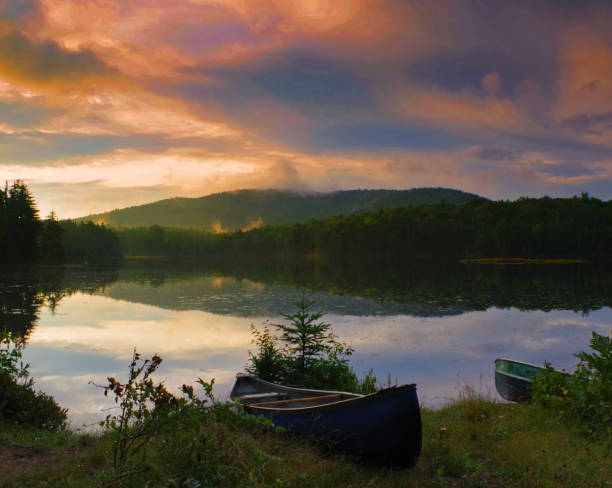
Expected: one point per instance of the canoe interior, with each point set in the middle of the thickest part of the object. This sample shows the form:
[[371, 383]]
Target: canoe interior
[[517, 369], [252, 391]]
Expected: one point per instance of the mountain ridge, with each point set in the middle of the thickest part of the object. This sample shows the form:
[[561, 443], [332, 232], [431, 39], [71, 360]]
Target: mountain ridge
[[250, 208]]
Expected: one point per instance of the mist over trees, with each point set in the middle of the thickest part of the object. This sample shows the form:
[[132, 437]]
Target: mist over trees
[[26, 239], [247, 209]]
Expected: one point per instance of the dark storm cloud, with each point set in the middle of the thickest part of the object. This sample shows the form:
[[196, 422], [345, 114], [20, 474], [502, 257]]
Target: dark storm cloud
[[374, 137], [298, 77], [46, 60], [570, 149], [273, 94], [18, 10], [458, 70], [588, 123], [494, 154], [294, 77]]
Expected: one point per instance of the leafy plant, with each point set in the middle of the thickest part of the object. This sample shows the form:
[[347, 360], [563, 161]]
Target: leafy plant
[[586, 394], [143, 406], [186, 437], [19, 402], [269, 362], [148, 409], [10, 358], [307, 353]]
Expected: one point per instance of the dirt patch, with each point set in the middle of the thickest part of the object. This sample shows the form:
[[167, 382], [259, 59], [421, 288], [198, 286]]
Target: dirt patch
[[18, 459]]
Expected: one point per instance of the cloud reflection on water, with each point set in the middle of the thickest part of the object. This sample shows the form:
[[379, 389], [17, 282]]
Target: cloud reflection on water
[[92, 337]]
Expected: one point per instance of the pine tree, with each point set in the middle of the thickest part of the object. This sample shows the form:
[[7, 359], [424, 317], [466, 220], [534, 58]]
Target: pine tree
[[21, 226], [3, 199], [306, 337]]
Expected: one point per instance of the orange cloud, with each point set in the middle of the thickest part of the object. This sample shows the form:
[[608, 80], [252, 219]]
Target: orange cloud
[[143, 37], [455, 111], [585, 94], [196, 96]]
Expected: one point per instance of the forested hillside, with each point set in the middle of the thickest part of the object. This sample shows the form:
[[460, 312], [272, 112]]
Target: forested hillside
[[246, 209], [579, 227]]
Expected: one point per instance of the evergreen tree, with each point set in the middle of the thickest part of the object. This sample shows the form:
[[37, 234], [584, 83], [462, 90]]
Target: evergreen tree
[[90, 243], [21, 225], [306, 336], [3, 199], [309, 354], [51, 240]]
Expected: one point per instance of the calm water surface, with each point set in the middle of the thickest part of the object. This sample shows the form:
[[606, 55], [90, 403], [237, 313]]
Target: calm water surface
[[438, 326]]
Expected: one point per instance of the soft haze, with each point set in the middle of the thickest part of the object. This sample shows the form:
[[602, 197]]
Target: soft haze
[[105, 104]]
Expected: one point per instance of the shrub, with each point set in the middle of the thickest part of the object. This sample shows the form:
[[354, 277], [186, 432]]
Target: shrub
[[169, 438], [586, 394], [147, 409], [19, 402], [269, 362], [306, 354]]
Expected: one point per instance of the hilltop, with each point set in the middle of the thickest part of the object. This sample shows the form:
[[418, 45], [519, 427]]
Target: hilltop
[[246, 209]]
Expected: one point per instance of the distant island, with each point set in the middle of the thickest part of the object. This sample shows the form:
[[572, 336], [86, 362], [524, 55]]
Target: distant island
[[249, 209]]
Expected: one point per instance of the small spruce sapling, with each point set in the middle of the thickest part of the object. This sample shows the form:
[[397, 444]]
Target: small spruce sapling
[[307, 353], [306, 336]]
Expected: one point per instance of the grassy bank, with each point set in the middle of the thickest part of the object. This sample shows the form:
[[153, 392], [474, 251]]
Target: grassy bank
[[472, 442]]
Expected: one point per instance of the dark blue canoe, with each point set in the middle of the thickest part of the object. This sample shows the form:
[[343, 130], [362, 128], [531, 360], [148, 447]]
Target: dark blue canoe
[[383, 428], [513, 379]]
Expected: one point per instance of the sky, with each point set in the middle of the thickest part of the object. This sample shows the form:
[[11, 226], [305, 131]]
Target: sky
[[106, 104]]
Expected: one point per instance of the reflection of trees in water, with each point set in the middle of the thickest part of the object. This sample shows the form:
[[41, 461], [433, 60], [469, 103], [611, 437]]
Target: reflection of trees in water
[[418, 289], [451, 285], [434, 287], [23, 293], [19, 306]]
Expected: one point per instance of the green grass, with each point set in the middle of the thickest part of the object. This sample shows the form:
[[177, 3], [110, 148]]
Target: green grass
[[473, 442]]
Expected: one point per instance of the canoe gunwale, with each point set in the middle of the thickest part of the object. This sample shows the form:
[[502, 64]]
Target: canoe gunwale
[[330, 405], [353, 398], [294, 389], [518, 362]]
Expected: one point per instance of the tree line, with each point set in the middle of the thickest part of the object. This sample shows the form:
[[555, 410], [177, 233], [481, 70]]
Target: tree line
[[27, 239], [578, 227]]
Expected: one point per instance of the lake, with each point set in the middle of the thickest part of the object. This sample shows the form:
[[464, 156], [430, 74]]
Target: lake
[[439, 325]]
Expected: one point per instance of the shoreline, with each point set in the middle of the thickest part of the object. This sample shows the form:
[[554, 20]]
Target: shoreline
[[473, 441]]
